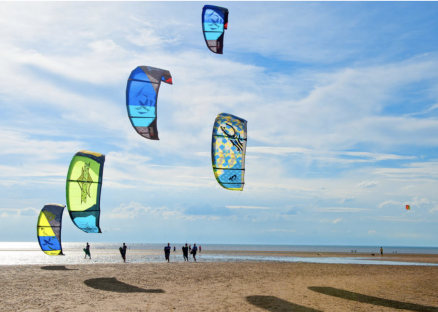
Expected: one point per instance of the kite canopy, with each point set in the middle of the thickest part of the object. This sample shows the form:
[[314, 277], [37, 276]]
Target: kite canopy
[[142, 96], [84, 183], [228, 150], [214, 22], [49, 229]]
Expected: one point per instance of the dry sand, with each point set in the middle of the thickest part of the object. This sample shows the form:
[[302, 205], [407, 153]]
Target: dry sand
[[242, 286]]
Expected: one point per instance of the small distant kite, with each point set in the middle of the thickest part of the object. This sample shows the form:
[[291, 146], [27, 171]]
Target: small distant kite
[[408, 207]]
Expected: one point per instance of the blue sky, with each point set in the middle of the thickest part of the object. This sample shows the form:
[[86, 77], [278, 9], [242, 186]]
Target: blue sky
[[341, 100]]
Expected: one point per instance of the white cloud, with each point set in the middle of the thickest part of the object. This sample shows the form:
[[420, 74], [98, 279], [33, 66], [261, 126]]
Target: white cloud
[[279, 230], [368, 184], [340, 209], [434, 209], [147, 37], [347, 199], [336, 220], [102, 46], [131, 210], [389, 202], [372, 232], [19, 212], [247, 207]]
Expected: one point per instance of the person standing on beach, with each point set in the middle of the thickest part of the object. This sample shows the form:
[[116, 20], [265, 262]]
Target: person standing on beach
[[185, 251], [124, 252], [193, 252], [167, 252], [190, 248], [174, 248], [381, 251], [87, 251], [199, 248]]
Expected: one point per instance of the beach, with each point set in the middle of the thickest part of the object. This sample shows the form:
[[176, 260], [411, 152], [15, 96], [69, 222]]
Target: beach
[[222, 286]]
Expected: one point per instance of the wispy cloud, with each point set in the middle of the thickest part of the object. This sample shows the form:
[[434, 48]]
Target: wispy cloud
[[340, 209], [389, 202], [368, 184], [131, 210], [247, 207]]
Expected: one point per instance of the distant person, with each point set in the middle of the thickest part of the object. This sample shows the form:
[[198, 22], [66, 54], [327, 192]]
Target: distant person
[[123, 252], [381, 251], [174, 248], [167, 252], [87, 251], [185, 250], [193, 252], [199, 248], [190, 248]]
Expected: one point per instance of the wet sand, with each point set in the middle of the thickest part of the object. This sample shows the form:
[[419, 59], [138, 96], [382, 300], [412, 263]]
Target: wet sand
[[226, 286]]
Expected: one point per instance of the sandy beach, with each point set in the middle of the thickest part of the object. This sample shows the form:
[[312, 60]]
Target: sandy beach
[[226, 286]]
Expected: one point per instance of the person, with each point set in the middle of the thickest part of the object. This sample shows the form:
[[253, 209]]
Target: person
[[174, 248], [167, 252], [185, 250], [194, 250], [199, 248], [123, 252], [381, 251], [190, 248], [87, 251]]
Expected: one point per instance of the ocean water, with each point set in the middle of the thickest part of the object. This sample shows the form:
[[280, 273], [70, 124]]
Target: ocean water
[[228, 247], [30, 254]]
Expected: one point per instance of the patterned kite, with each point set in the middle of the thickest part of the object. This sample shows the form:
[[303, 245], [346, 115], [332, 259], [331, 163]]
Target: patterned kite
[[142, 96], [228, 150], [84, 184], [49, 229], [214, 23]]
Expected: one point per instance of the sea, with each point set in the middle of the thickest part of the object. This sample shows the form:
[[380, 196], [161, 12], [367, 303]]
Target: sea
[[29, 253]]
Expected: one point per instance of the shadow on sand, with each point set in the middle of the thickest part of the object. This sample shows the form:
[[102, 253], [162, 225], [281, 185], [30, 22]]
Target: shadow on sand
[[57, 268], [271, 303], [111, 284], [344, 294]]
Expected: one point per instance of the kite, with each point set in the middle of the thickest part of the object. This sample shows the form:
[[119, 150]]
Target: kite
[[408, 207], [214, 23], [228, 150], [84, 184], [142, 96], [49, 229]]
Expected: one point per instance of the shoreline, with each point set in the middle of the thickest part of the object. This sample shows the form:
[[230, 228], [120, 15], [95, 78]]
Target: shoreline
[[108, 256]]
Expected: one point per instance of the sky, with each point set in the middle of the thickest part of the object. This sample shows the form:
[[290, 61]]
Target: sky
[[341, 100]]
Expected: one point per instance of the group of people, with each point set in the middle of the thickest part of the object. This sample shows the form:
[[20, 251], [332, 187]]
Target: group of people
[[185, 249]]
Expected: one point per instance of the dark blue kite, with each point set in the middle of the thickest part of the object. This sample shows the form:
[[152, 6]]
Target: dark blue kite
[[142, 96], [214, 23]]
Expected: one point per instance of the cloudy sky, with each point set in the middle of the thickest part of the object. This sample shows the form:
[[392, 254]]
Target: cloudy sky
[[341, 101]]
